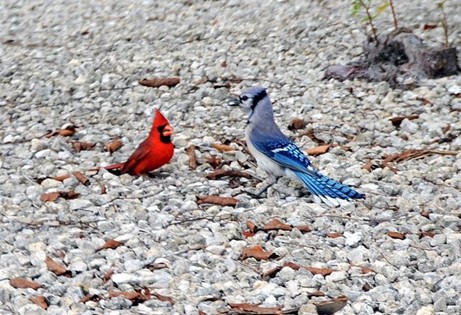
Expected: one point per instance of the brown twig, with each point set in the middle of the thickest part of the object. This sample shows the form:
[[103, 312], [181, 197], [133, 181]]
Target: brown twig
[[394, 16]]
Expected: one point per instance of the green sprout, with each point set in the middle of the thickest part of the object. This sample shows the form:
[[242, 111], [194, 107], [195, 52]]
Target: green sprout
[[443, 21]]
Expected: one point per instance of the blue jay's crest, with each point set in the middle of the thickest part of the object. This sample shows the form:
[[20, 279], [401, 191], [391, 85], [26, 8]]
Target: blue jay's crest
[[278, 155]]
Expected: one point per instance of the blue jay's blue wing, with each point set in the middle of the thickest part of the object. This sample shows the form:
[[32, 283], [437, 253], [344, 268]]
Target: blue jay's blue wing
[[285, 153]]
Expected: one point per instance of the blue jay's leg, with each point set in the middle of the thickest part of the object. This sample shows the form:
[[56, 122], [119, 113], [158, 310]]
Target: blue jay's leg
[[271, 181]]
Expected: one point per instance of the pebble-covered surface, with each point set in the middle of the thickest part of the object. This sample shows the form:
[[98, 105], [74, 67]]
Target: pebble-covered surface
[[78, 63]]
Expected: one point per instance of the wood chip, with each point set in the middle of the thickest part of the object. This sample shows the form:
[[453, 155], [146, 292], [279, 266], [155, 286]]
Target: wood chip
[[257, 252], [65, 132], [56, 267], [426, 234], [334, 235], [332, 306], [157, 82], [321, 149], [110, 244], [51, 196], [61, 177], [396, 235], [163, 298], [246, 308], [81, 146], [192, 158], [222, 147], [214, 161], [20, 283], [276, 224], [296, 124], [81, 178], [217, 200], [366, 270], [113, 146], [40, 301], [319, 271], [396, 121]]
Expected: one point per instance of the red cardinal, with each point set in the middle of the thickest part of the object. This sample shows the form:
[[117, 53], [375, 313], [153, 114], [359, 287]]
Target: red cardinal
[[154, 152]]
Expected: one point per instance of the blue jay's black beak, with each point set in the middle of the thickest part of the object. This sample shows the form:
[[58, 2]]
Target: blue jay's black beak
[[233, 102]]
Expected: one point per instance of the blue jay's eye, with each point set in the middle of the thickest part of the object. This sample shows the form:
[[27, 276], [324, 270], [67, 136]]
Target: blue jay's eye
[[244, 98]]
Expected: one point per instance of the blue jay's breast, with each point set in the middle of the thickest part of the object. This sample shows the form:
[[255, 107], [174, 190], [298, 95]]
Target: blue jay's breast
[[264, 162]]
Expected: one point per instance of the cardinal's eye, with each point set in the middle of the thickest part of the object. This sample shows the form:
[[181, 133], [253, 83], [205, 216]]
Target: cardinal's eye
[[244, 98]]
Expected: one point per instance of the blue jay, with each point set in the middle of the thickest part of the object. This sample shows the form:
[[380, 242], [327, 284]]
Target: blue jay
[[278, 155]]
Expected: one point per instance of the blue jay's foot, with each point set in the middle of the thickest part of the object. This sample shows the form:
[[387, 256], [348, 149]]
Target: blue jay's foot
[[260, 192]]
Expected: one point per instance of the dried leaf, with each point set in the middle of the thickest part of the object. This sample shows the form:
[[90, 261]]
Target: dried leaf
[[157, 266], [426, 234], [113, 146], [80, 146], [103, 188], [303, 228], [217, 200], [245, 308], [316, 294], [412, 154], [163, 298], [321, 149], [112, 244], [310, 133], [214, 161], [271, 273], [107, 275], [222, 147], [292, 265], [368, 165], [157, 82], [222, 173], [366, 270], [334, 235], [425, 213], [257, 252], [251, 229], [56, 268], [397, 235], [248, 233], [61, 177], [428, 27], [319, 271], [69, 194], [276, 224], [81, 178], [251, 226], [51, 196], [331, 307], [396, 121], [65, 132], [20, 283], [366, 287], [296, 124], [192, 158], [130, 295], [91, 297], [40, 301]]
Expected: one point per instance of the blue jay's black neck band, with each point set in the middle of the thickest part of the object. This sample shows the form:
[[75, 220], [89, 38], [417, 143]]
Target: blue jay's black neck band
[[258, 97]]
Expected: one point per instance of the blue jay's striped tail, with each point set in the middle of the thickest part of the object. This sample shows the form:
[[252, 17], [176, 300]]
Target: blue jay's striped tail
[[327, 190]]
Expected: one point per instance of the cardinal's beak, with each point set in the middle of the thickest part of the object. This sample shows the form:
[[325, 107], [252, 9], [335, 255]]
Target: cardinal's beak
[[168, 131]]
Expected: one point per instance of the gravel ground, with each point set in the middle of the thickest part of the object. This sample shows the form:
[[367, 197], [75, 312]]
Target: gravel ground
[[78, 62]]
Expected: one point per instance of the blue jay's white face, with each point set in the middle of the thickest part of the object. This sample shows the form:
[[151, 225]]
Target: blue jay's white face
[[250, 98], [246, 102]]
